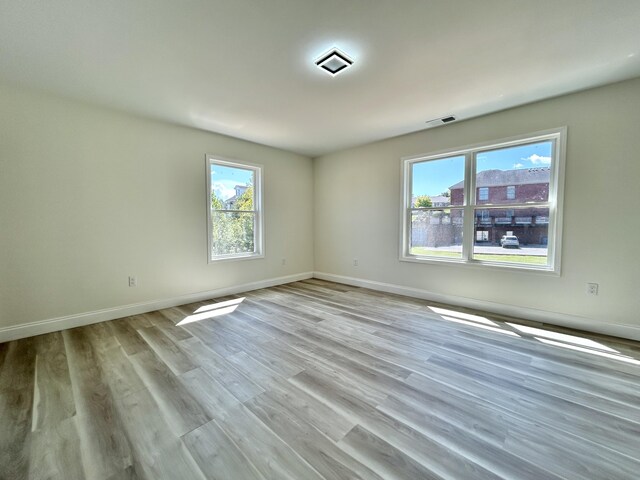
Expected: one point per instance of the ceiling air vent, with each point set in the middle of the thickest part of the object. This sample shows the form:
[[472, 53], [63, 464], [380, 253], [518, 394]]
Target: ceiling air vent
[[441, 121]]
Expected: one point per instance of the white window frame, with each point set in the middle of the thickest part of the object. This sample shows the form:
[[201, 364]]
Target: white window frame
[[482, 190], [511, 189], [554, 204], [258, 229]]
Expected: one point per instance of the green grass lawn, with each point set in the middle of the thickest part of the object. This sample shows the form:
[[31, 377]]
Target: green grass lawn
[[527, 259], [434, 253]]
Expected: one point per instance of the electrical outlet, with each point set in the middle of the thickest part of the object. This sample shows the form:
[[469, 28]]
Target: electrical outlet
[[592, 289], [355, 262], [133, 282]]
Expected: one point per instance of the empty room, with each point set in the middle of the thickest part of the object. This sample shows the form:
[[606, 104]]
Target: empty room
[[306, 240]]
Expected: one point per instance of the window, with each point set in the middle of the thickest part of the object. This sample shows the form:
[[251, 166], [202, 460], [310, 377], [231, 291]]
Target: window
[[482, 236], [483, 216], [435, 231], [234, 210], [469, 230]]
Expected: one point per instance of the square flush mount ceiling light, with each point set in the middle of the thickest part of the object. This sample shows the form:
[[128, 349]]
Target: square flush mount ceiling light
[[334, 61]]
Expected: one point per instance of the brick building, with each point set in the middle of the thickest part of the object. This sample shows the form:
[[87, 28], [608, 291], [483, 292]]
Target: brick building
[[499, 187]]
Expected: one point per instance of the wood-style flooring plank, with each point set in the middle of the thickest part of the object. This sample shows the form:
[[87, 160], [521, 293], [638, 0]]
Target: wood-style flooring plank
[[168, 350], [317, 380], [180, 409], [53, 400], [453, 452], [325, 419], [129, 473], [104, 447], [211, 395], [15, 434], [119, 372], [319, 451], [556, 384], [158, 452], [167, 320], [217, 456], [221, 370], [478, 444], [383, 457], [17, 369], [271, 456], [102, 337], [56, 452], [128, 337], [17, 380], [619, 435]]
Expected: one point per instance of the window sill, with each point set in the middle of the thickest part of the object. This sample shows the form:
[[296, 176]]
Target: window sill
[[544, 270], [236, 257]]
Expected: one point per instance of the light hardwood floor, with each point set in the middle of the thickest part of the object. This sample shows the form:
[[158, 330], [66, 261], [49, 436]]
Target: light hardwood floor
[[317, 380]]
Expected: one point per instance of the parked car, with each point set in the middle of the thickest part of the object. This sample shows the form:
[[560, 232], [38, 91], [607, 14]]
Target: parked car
[[509, 241]]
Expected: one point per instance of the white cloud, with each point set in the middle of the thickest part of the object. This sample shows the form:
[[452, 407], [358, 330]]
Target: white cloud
[[224, 189], [535, 159], [518, 165]]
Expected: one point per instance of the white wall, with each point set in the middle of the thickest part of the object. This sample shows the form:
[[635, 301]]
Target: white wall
[[89, 196], [357, 194]]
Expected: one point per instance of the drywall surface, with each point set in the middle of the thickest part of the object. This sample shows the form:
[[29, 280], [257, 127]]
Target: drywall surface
[[357, 210], [89, 196]]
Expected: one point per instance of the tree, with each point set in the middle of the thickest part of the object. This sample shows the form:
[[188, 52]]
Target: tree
[[245, 201], [216, 202], [232, 231], [423, 201], [245, 221], [446, 193]]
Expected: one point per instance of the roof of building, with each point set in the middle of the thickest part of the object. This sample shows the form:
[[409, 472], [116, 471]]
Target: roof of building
[[440, 199], [521, 176], [232, 200]]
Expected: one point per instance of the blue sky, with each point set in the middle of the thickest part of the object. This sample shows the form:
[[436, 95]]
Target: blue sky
[[224, 179], [433, 178]]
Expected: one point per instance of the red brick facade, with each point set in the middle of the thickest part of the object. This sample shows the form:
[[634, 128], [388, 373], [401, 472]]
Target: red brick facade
[[538, 192], [529, 224]]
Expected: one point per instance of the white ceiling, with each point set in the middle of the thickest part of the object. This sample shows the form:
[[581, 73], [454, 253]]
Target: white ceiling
[[245, 67]]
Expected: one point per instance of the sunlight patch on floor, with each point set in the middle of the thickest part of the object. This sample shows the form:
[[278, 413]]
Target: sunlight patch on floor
[[463, 316], [563, 337], [621, 358], [479, 325], [215, 306], [212, 311]]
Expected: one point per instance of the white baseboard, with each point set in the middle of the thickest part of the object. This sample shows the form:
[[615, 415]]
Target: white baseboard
[[78, 320], [553, 318]]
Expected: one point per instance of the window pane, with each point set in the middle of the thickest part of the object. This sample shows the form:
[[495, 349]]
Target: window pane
[[438, 183], [517, 174], [482, 236], [232, 188], [437, 232], [517, 235], [232, 232]]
